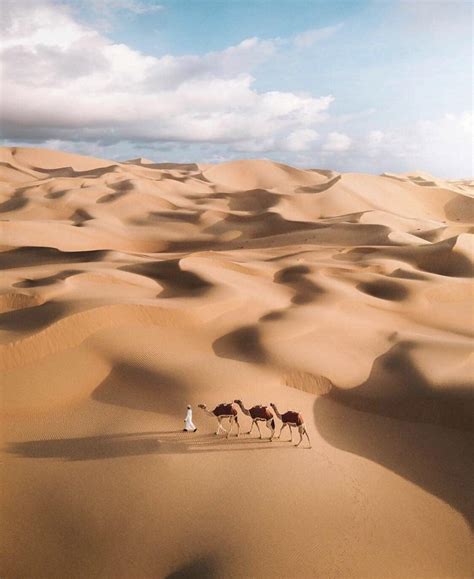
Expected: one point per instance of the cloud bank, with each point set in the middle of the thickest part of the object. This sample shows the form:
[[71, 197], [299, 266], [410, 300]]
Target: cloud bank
[[65, 80], [67, 84]]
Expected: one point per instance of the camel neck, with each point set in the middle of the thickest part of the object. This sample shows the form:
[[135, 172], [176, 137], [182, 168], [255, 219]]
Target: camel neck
[[244, 410], [276, 412]]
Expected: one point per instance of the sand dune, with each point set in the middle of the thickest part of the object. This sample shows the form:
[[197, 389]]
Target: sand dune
[[129, 290]]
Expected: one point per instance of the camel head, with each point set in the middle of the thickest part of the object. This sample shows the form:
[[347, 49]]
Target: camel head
[[202, 406], [238, 402]]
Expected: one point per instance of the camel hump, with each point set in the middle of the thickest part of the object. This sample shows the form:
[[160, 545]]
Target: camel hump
[[293, 417], [225, 409], [261, 412]]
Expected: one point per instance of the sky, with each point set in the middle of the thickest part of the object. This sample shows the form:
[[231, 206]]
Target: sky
[[362, 85]]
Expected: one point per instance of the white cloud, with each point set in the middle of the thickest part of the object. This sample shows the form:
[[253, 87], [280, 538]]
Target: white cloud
[[309, 37], [30, 23], [446, 142], [442, 147], [301, 140], [64, 80], [66, 84], [337, 142]]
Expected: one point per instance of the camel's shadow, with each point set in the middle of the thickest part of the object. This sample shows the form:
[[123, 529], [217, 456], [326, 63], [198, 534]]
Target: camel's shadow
[[136, 444]]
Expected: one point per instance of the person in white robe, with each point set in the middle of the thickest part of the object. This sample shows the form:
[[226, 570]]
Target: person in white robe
[[188, 421]]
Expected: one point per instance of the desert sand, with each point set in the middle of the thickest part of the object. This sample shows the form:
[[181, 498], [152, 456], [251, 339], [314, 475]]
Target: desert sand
[[129, 290]]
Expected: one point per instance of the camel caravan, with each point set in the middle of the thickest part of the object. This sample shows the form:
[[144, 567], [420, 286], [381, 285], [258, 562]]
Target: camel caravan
[[229, 411]]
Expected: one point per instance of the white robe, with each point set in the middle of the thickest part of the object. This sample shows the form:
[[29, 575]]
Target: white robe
[[188, 421]]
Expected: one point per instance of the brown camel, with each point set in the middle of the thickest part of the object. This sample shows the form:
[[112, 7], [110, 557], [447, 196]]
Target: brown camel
[[258, 413], [223, 411], [291, 419]]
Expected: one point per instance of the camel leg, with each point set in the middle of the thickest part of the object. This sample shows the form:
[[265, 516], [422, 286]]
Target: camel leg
[[291, 433], [307, 436], [231, 422], [300, 431], [251, 428], [281, 429], [258, 428], [269, 426], [219, 426], [273, 434]]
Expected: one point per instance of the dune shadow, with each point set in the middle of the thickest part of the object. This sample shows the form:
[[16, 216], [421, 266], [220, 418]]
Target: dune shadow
[[273, 316], [438, 258], [432, 235], [396, 420], [397, 389], [121, 189], [402, 273], [319, 188], [294, 277], [56, 172], [384, 290], [56, 194], [346, 218], [36, 256], [111, 197], [70, 172], [34, 318], [178, 178], [177, 282], [17, 170], [261, 224], [200, 568], [48, 280], [135, 387], [192, 217], [242, 344], [14, 203], [80, 216], [164, 166], [253, 200]]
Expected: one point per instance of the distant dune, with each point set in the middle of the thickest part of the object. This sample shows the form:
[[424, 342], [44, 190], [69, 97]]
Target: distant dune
[[129, 290]]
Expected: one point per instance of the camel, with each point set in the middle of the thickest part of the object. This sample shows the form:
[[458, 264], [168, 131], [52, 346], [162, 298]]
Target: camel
[[291, 419], [223, 411], [258, 413]]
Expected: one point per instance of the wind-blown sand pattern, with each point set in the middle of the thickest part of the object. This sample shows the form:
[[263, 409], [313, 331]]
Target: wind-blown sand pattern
[[129, 290]]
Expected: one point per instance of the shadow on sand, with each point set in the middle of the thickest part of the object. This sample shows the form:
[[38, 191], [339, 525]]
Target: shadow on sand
[[242, 344], [419, 435], [139, 388], [34, 318], [136, 444], [196, 569]]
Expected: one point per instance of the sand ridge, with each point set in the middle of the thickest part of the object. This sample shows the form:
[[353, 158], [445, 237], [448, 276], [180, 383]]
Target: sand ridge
[[130, 289]]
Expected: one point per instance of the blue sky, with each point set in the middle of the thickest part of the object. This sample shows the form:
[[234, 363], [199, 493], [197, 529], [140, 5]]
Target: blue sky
[[366, 86]]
